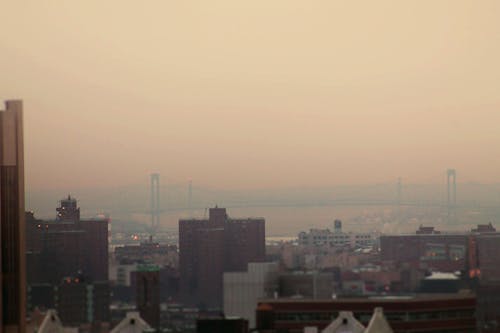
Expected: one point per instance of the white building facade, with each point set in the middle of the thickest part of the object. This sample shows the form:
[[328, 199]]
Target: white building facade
[[243, 289]]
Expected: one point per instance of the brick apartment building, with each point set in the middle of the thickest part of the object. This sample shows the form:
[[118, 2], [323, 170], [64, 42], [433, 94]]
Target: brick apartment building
[[210, 247]]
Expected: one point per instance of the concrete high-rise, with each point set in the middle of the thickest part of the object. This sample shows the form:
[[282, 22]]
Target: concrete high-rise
[[242, 290], [210, 247], [12, 225]]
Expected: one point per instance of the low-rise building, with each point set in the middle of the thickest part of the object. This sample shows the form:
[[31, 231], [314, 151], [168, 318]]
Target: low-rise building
[[415, 313], [336, 238]]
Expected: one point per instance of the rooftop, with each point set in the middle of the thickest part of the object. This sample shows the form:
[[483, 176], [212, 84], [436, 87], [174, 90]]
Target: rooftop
[[380, 298]]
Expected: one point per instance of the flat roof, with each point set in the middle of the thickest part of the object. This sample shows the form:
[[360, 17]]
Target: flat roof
[[378, 298]]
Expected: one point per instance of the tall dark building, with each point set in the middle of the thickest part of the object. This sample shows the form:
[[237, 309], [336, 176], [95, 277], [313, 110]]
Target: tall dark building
[[67, 247], [81, 303], [148, 294], [12, 225], [68, 211], [95, 249], [64, 248], [210, 247]]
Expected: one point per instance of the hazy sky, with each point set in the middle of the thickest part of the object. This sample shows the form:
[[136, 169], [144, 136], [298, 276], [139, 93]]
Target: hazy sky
[[254, 94]]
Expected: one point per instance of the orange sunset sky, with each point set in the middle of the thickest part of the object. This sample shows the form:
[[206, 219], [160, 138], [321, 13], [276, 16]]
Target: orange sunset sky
[[254, 94]]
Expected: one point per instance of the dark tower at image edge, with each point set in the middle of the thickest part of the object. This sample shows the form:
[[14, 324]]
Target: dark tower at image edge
[[12, 231]]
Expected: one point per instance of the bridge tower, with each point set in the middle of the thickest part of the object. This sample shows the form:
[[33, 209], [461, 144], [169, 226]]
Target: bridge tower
[[190, 199], [398, 201], [451, 181], [155, 202]]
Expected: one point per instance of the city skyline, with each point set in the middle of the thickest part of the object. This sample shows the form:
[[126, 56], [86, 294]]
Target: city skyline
[[199, 91], [281, 166]]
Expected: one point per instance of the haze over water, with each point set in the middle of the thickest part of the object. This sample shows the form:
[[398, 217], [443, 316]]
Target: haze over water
[[288, 211]]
